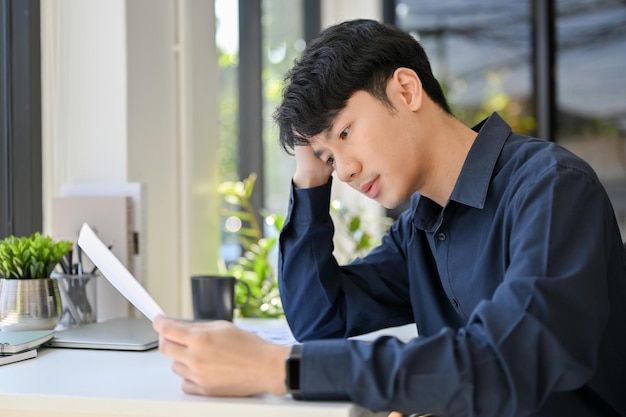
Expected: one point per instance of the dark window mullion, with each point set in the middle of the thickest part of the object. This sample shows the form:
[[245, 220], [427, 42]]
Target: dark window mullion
[[389, 11], [250, 98], [5, 106], [20, 120], [312, 19], [544, 69]]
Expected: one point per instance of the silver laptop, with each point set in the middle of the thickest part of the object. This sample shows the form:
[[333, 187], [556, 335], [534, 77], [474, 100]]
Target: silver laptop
[[117, 334]]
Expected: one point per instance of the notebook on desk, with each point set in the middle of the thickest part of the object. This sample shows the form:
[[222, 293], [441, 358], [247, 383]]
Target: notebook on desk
[[128, 333]]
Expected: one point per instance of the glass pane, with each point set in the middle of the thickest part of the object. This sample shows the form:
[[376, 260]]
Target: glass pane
[[283, 41], [591, 89], [480, 52], [227, 40], [591, 83]]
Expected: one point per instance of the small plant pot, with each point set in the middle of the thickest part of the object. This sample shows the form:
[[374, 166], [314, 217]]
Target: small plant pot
[[29, 304]]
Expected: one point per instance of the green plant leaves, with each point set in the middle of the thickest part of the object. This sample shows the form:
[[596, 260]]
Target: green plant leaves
[[31, 257], [254, 265], [238, 192]]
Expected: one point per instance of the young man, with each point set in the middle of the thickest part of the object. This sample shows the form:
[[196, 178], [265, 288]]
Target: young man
[[509, 260]]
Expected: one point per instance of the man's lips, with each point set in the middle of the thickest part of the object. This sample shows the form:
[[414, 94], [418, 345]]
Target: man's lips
[[371, 188]]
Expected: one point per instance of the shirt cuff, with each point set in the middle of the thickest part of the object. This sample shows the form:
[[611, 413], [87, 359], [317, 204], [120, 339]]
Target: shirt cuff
[[325, 370], [312, 203]]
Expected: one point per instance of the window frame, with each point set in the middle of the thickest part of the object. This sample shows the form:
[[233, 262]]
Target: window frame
[[20, 118]]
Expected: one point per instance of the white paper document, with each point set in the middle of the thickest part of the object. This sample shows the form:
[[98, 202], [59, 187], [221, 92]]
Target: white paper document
[[117, 274], [273, 330]]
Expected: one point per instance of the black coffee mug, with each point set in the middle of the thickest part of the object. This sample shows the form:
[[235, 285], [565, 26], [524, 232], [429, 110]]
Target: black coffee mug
[[213, 296]]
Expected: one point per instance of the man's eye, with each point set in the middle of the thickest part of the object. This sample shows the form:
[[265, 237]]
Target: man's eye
[[344, 133], [330, 160]]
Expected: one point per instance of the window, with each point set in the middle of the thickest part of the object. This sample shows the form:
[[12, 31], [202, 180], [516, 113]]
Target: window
[[555, 67], [283, 41], [251, 76], [590, 89], [480, 53], [591, 83]]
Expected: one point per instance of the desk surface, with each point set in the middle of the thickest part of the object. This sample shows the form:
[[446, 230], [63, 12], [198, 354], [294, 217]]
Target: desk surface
[[98, 383]]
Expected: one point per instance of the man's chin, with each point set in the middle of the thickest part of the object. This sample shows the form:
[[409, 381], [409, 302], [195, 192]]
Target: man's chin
[[391, 204]]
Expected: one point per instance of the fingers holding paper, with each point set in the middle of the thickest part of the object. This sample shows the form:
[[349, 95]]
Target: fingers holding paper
[[219, 359]]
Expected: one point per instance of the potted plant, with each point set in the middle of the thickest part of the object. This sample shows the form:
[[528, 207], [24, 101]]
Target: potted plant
[[29, 298], [254, 267]]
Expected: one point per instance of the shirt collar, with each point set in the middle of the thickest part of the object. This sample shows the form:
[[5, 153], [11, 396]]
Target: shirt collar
[[473, 182]]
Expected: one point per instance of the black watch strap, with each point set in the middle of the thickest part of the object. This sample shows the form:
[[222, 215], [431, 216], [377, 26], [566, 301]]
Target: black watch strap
[[292, 368]]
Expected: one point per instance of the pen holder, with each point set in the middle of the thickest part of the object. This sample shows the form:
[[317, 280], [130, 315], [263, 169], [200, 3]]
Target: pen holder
[[78, 299]]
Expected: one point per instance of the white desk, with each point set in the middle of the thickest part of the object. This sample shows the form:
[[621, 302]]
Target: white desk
[[97, 383]]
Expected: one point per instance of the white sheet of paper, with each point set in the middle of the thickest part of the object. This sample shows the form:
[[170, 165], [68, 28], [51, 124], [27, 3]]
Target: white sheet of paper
[[117, 274]]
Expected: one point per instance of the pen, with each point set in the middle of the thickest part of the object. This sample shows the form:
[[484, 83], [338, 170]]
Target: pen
[[64, 267], [79, 254], [69, 261]]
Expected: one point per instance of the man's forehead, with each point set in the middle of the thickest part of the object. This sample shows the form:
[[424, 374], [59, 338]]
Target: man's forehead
[[318, 144], [323, 136]]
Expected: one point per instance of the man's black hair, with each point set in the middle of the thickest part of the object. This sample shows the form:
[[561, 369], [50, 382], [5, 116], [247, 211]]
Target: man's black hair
[[345, 58]]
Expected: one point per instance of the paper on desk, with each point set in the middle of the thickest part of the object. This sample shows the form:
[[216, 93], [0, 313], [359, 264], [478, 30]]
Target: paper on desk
[[116, 273]]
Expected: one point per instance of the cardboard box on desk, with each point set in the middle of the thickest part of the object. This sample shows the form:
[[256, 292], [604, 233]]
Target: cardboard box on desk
[[111, 219]]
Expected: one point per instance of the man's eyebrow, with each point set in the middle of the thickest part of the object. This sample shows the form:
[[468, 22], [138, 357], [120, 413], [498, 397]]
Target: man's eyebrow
[[318, 154]]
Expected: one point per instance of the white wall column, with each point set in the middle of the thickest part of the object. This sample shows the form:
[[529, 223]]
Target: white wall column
[[334, 11]]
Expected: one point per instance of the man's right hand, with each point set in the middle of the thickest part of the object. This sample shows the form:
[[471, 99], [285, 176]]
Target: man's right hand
[[219, 359], [310, 170]]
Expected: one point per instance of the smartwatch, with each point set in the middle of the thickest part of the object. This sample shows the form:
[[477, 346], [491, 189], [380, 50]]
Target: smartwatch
[[292, 368]]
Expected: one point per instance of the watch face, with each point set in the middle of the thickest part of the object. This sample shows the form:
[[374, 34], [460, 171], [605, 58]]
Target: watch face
[[293, 373]]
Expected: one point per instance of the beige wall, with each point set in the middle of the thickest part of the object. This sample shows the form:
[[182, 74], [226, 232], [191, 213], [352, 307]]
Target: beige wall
[[129, 95]]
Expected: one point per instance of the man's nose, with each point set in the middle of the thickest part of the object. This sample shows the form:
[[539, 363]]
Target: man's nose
[[346, 170]]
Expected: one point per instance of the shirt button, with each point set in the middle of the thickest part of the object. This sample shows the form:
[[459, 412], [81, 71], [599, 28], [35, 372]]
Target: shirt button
[[441, 236], [455, 303]]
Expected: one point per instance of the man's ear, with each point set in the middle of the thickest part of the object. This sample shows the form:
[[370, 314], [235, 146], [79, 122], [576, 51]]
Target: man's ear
[[409, 86]]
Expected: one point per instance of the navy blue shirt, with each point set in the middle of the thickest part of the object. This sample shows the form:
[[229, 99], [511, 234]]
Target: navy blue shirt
[[517, 288]]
